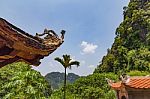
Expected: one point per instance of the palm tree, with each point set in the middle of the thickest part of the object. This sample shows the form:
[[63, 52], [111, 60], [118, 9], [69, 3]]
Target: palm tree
[[67, 62]]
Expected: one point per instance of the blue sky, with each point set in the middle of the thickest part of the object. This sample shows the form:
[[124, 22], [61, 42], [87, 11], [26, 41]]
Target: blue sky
[[90, 27]]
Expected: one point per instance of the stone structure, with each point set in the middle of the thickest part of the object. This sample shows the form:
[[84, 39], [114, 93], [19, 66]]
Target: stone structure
[[132, 87], [17, 45]]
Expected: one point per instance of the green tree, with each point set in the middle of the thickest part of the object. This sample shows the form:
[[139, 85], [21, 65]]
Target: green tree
[[93, 86], [66, 62], [138, 73], [130, 50], [19, 81]]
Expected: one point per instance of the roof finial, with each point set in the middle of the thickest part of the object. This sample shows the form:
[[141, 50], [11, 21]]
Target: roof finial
[[125, 78]]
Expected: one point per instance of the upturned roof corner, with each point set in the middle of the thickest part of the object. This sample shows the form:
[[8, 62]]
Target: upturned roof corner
[[17, 45]]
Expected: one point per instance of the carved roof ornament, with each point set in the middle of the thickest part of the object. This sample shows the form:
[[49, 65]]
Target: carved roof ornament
[[17, 45], [51, 37]]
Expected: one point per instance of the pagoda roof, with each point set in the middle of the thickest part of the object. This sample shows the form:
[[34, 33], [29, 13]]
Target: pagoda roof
[[18, 45], [138, 82]]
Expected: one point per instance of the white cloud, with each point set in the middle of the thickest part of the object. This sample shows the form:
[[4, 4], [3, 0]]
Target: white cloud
[[82, 62], [91, 66], [73, 58], [88, 48]]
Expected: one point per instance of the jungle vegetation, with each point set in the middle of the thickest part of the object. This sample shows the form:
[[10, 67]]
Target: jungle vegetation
[[20, 81], [130, 54]]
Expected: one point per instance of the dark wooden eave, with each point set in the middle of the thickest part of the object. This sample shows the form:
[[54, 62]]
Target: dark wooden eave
[[17, 45]]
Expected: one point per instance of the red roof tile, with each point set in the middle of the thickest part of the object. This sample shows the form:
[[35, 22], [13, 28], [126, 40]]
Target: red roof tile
[[134, 82], [139, 82]]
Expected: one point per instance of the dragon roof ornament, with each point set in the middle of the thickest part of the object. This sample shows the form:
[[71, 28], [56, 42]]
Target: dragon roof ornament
[[16, 44]]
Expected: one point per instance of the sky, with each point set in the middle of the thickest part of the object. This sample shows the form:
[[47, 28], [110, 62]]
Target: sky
[[89, 24]]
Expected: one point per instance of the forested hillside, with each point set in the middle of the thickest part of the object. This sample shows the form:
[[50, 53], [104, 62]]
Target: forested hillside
[[56, 79], [131, 48]]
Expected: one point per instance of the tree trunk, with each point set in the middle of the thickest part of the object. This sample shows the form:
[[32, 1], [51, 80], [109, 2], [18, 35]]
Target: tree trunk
[[65, 85]]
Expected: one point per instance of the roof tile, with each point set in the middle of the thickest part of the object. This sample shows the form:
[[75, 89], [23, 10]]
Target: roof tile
[[135, 82], [139, 82]]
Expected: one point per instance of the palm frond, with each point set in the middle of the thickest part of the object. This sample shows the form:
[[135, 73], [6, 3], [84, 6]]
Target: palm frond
[[67, 61], [67, 58], [60, 61], [74, 63]]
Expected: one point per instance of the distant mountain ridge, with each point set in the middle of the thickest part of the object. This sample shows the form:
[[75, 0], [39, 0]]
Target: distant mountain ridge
[[56, 79]]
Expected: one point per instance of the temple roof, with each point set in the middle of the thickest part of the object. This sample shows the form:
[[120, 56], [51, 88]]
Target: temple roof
[[139, 82], [17, 45]]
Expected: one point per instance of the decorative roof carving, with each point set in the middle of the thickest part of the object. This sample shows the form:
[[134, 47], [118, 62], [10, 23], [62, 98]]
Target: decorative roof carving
[[16, 44]]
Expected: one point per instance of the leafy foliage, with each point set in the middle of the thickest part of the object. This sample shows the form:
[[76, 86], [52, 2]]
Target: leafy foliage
[[19, 81], [130, 53], [67, 62], [90, 87], [138, 73], [93, 86], [130, 50]]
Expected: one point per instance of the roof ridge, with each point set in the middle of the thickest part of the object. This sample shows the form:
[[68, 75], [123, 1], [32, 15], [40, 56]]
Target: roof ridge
[[19, 30], [140, 77]]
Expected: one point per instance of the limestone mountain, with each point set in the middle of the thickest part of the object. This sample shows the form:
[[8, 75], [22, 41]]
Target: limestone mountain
[[131, 47], [56, 78]]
